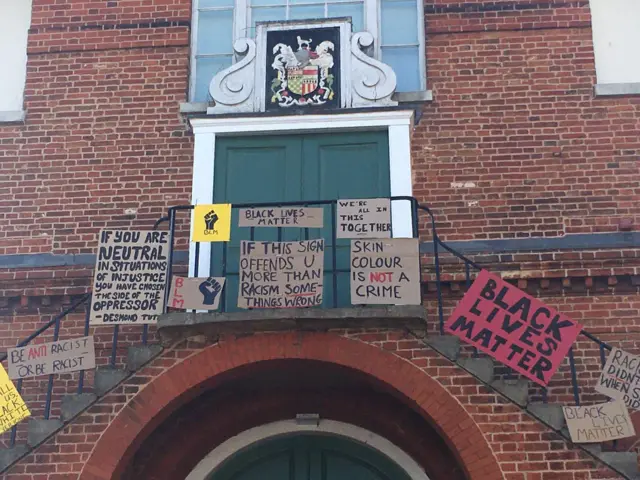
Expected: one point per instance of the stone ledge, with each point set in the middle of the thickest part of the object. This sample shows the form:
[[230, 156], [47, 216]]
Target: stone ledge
[[614, 89], [178, 325]]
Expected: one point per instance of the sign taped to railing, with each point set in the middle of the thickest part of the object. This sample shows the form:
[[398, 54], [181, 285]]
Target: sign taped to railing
[[130, 277], [598, 423], [364, 218], [201, 293], [281, 274], [385, 272], [54, 357], [211, 223], [12, 406], [297, 217], [620, 378], [513, 327]]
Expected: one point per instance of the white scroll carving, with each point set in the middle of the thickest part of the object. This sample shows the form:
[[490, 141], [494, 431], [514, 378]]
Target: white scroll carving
[[232, 89], [373, 82]]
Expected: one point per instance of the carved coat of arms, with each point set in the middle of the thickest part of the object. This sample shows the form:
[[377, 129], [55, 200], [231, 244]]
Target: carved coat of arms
[[304, 74]]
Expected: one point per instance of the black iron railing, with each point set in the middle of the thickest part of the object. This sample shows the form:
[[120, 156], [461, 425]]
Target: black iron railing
[[421, 224]]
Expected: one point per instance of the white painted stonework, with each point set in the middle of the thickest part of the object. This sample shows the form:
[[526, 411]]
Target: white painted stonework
[[364, 81], [250, 437], [15, 19], [616, 40]]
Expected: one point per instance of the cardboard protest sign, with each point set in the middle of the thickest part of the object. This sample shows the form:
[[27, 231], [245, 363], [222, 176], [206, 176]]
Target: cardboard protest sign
[[598, 423], [196, 293], [130, 277], [385, 272], [620, 378], [281, 274], [54, 357], [298, 217], [513, 327], [211, 223], [365, 218], [12, 406]]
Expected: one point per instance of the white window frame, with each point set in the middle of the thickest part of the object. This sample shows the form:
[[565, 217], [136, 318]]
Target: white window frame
[[242, 22], [397, 123]]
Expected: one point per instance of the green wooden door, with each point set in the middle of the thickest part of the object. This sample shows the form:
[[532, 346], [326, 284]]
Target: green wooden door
[[297, 168], [309, 457]]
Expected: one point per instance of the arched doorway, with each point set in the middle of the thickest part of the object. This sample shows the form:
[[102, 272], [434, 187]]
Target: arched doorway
[[309, 457], [322, 450]]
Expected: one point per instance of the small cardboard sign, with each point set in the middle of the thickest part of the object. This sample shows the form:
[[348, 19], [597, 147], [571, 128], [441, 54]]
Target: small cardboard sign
[[12, 406], [297, 217], [211, 223], [513, 327], [130, 277], [620, 378], [365, 218], [281, 274], [53, 357], [201, 293], [599, 423], [385, 272]]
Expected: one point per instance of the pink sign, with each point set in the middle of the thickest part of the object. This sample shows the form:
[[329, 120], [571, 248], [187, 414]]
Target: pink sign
[[513, 327]]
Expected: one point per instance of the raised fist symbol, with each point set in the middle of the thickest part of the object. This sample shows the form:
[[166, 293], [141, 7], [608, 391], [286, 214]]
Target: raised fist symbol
[[210, 289], [210, 219]]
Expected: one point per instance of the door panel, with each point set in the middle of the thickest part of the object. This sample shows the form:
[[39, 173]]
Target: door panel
[[309, 457], [296, 168]]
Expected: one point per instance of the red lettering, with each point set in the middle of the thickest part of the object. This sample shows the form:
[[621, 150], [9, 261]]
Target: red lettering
[[380, 277], [37, 352]]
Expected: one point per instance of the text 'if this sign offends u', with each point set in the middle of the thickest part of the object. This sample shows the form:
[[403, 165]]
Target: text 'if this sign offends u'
[[363, 218], [513, 327], [385, 272], [130, 277]]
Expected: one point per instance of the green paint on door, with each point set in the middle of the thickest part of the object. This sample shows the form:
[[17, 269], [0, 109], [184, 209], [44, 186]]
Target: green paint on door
[[309, 457], [297, 168]]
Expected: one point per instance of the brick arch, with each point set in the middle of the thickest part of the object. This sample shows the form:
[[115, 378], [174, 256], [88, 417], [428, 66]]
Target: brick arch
[[216, 364]]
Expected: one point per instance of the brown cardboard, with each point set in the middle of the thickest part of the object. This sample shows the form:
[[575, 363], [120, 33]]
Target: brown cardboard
[[297, 217], [281, 274], [598, 423], [385, 272], [202, 293], [363, 218], [130, 277], [620, 378], [50, 358]]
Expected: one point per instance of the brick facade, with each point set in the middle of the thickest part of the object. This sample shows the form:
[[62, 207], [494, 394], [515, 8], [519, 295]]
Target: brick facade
[[514, 145]]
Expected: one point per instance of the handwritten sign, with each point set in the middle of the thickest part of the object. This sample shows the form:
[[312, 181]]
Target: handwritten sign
[[281, 274], [385, 272], [302, 217], [620, 378], [196, 293], [365, 218], [211, 223], [513, 327], [598, 423], [54, 357], [12, 406], [130, 277]]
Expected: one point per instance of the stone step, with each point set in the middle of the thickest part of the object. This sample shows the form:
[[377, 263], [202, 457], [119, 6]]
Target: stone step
[[447, 345], [480, 367], [74, 404], [39, 429], [625, 462], [140, 355], [517, 390], [548, 413], [106, 378], [11, 454]]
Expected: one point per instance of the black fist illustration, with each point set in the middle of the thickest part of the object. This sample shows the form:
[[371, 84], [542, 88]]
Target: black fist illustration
[[210, 289], [210, 219]]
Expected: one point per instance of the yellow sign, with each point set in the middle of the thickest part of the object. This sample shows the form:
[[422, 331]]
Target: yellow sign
[[12, 407], [211, 223]]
